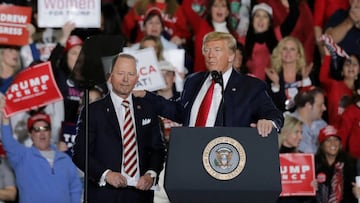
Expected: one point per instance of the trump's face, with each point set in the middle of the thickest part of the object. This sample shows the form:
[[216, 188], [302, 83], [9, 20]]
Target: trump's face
[[218, 55], [124, 77]]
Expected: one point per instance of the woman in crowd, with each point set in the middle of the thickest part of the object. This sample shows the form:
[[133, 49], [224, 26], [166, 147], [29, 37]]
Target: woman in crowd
[[335, 169], [290, 135], [323, 10], [175, 25], [288, 73], [339, 92], [217, 19], [295, 19], [154, 42], [260, 40], [63, 59], [10, 64], [289, 141], [349, 127], [154, 25]]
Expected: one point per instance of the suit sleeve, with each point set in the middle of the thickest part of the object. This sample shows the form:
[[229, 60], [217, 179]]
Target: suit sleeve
[[266, 108], [96, 169], [172, 110]]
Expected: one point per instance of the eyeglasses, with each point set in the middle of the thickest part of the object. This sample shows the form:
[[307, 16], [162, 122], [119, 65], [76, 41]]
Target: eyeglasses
[[41, 129]]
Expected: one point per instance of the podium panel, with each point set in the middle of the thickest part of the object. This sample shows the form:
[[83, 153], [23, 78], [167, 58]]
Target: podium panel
[[222, 165]]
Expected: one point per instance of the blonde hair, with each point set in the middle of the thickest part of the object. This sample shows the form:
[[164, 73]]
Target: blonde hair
[[159, 47], [276, 61], [290, 124], [215, 36]]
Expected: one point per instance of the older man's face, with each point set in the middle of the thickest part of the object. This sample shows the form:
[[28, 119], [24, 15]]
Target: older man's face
[[218, 56]]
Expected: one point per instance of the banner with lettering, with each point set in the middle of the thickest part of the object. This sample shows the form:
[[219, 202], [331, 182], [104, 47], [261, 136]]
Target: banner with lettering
[[55, 13], [13, 21], [297, 174], [150, 76], [68, 135], [33, 87]]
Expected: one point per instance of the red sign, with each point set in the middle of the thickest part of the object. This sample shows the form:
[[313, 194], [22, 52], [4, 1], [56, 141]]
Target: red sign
[[13, 21], [33, 87], [297, 174]]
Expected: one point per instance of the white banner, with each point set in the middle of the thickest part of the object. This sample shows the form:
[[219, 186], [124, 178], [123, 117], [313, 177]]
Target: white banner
[[150, 77], [55, 13], [177, 58]]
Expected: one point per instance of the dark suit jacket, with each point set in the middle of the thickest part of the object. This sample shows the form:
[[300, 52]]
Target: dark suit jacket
[[105, 148], [245, 101]]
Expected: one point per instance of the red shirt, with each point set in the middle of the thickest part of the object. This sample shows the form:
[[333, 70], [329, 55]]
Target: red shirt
[[349, 129], [323, 9], [175, 26], [335, 91], [304, 28], [200, 27]]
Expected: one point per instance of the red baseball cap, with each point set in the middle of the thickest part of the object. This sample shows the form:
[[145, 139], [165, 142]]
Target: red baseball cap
[[72, 41], [38, 117], [327, 132]]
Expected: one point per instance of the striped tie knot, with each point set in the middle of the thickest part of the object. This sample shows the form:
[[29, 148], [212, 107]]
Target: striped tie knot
[[125, 103]]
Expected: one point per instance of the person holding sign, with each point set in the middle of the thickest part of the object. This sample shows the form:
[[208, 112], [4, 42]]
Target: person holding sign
[[236, 100], [335, 169], [43, 173], [126, 152], [289, 141], [291, 135], [63, 58]]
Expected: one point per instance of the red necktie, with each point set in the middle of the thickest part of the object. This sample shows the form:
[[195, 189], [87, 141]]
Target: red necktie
[[129, 141], [205, 106]]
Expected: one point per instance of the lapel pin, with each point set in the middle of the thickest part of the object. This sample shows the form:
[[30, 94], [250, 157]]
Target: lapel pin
[[233, 89]]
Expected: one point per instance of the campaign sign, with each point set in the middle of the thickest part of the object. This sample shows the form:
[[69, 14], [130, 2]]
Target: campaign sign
[[13, 21], [33, 87], [150, 76], [55, 13], [297, 172], [68, 135]]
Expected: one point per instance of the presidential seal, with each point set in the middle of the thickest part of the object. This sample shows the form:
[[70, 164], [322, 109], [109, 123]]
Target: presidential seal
[[224, 158]]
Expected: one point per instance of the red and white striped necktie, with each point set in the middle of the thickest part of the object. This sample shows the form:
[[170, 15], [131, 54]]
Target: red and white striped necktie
[[129, 142]]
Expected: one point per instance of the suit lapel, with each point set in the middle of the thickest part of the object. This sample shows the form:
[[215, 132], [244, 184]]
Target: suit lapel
[[231, 91], [111, 116], [191, 94]]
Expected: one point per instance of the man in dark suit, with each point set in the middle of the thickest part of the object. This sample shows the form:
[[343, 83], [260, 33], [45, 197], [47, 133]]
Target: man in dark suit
[[238, 100], [111, 179]]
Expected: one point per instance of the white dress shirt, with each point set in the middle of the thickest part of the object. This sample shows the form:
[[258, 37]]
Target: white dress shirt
[[216, 101]]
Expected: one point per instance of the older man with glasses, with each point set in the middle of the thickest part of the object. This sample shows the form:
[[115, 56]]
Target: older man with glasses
[[43, 173]]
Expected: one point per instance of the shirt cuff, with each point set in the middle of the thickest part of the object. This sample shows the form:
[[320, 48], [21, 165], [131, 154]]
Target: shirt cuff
[[275, 88], [102, 181], [274, 124], [152, 174]]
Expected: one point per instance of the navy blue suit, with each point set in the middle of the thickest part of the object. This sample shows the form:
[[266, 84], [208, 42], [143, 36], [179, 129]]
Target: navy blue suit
[[245, 101], [105, 148]]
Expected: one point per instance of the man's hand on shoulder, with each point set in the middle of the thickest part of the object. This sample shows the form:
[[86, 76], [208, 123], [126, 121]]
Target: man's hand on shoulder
[[139, 93]]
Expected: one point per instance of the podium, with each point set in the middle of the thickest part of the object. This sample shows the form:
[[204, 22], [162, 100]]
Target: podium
[[222, 165]]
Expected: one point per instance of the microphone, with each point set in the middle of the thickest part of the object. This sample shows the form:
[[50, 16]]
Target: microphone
[[217, 77]]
